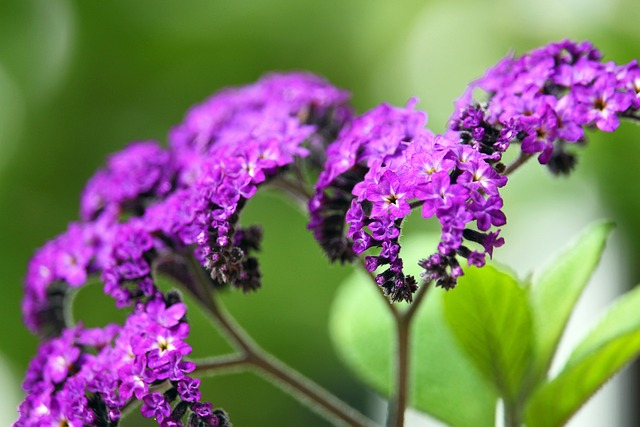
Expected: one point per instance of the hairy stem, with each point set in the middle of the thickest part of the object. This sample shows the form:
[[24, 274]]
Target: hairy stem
[[400, 397], [221, 364], [403, 320], [252, 355], [420, 294], [511, 414], [295, 189], [519, 161], [416, 204], [308, 392], [631, 115]]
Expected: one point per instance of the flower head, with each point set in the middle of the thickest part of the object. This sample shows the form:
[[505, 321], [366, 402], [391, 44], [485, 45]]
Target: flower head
[[147, 211], [385, 163], [548, 97]]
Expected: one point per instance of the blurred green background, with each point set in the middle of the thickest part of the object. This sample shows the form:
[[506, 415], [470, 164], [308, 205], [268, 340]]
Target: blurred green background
[[80, 79]]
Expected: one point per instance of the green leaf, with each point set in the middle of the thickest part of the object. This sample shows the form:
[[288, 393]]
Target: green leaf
[[608, 348], [556, 292], [444, 382], [621, 319], [489, 314]]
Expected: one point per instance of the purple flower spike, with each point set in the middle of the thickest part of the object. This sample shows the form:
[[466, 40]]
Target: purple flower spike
[[384, 164], [143, 213], [548, 97]]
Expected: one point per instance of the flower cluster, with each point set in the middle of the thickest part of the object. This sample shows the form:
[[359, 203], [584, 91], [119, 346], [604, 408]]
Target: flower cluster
[[62, 263], [132, 179], [384, 164], [372, 138], [225, 148], [146, 205], [545, 100], [87, 376]]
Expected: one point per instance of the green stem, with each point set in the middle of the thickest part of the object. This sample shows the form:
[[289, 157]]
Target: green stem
[[221, 364], [511, 414], [519, 161], [631, 115], [251, 354], [296, 190], [309, 393], [400, 398], [403, 320]]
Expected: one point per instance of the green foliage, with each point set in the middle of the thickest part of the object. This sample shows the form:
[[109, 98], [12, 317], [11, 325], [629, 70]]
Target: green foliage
[[611, 345], [490, 316], [444, 382], [558, 288], [494, 337]]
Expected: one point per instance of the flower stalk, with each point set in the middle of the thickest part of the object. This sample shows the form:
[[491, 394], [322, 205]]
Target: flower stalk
[[253, 356]]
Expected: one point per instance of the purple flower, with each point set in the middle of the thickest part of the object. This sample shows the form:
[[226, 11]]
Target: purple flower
[[439, 193], [188, 389], [354, 165], [487, 211], [140, 171], [425, 163], [389, 196], [398, 166], [541, 130], [384, 228], [361, 241], [60, 361], [476, 259], [203, 410], [629, 77], [163, 315], [480, 176], [546, 98], [148, 203], [491, 241], [601, 103], [134, 378], [155, 406], [174, 367]]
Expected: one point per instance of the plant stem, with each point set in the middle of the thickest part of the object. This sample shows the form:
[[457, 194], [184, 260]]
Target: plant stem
[[251, 354], [420, 294], [630, 115], [511, 415], [522, 159], [402, 319], [296, 190], [221, 363], [403, 322], [400, 398], [308, 392], [416, 204]]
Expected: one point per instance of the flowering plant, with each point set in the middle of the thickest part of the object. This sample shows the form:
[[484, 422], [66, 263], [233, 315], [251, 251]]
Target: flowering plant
[[174, 213]]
